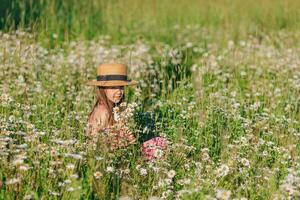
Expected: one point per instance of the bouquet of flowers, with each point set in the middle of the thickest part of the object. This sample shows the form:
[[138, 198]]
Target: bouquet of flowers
[[119, 135]]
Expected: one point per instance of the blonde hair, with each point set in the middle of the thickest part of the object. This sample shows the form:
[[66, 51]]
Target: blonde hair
[[101, 99]]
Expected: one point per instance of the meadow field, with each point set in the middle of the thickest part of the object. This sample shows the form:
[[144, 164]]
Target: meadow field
[[220, 80]]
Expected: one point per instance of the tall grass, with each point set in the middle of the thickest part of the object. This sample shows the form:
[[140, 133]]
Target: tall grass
[[152, 19]]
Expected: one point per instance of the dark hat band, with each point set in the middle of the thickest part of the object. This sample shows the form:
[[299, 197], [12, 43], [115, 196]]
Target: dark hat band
[[112, 78]]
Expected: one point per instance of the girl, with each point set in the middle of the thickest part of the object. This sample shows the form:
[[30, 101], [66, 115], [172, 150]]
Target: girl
[[110, 82], [111, 79]]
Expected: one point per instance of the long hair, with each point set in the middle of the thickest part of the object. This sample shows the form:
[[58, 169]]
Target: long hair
[[101, 99]]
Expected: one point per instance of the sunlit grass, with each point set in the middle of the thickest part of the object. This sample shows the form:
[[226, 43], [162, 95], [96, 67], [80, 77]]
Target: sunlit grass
[[126, 21]]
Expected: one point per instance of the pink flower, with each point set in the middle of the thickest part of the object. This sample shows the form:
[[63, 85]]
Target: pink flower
[[150, 147]]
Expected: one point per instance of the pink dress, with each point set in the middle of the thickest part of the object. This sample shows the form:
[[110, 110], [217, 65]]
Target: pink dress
[[153, 148]]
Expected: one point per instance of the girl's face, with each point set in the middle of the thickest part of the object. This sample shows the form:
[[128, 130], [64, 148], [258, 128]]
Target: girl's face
[[114, 93]]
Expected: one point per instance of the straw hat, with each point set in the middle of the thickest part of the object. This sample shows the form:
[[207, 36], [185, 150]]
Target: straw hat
[[111, 74]]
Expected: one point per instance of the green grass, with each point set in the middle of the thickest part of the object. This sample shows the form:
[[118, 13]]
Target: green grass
[[126, 21]]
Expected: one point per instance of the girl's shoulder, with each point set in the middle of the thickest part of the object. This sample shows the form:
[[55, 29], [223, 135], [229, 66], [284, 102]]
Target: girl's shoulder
[[97, 120], [102, 112], [100, 115]]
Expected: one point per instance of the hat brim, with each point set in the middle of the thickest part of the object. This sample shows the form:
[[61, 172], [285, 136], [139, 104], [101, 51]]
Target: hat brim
[[111, 83]]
